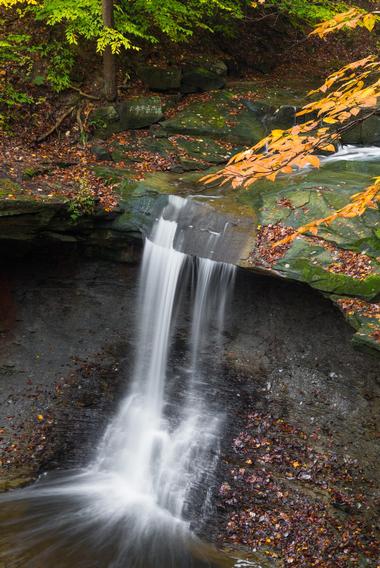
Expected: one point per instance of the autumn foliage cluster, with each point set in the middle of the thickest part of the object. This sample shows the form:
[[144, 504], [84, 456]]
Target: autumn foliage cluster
[[347, 97]]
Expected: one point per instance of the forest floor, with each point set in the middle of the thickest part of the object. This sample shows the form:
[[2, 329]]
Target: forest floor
[[54, 165]]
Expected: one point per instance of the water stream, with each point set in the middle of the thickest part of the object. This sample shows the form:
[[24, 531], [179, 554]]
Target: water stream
[[151, 477]]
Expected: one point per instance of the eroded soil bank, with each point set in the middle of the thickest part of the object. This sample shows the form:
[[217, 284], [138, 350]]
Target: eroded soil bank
[[297, 483]]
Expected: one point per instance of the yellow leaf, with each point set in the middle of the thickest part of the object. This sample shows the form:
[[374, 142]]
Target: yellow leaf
[[40, 417], [330, 120], [296, 464], [272, 177], [355, 111], [277, 134], [329, 148], [314, 161], [369, 21]]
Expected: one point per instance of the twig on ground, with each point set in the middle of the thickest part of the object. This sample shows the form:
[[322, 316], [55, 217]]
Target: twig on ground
[[83, 94], [56, 125]]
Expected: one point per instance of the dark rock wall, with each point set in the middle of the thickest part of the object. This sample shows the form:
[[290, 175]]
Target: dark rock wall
[[66, 329], [68, 337], [293, 348]]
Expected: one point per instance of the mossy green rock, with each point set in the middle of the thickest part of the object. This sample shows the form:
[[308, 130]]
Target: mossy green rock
[[200, 79], [205, 149], [316, 194], [140, 112], [160, 79], [9, 187], [137, 112], [308, 262], [105, 121], [220, 117], [367, 327]]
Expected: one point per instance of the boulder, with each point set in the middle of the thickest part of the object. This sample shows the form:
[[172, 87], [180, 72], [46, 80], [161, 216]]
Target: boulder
[[264, 65], [160, 79], [105, 121], [216, 66], [258, 108], [352, 136], [201, 79], [140, 112], [283, 118], [366, 133], [370, 133]]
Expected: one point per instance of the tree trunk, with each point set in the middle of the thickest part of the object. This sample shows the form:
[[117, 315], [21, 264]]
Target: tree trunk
[[109, 65]]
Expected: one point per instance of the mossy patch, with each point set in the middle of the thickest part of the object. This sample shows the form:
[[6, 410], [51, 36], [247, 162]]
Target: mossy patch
[[365, 318], [9, 187], [222, 116], [309, 262], [299, 200]]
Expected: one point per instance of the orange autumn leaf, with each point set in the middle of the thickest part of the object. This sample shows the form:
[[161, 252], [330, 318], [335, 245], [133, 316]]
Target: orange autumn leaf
[[346, 95], [351, 19]]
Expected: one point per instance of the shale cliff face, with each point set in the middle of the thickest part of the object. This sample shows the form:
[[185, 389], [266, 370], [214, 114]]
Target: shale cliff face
[[67, 331]]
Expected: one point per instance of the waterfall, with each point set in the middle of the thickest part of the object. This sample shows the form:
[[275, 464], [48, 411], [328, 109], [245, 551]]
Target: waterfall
[[157, 456], [153, 464]]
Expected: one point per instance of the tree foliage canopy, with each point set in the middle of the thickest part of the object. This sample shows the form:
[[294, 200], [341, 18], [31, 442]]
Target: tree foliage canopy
[[133, 19], [137, 19]]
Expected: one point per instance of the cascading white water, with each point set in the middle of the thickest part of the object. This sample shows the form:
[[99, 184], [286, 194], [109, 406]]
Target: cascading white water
[[136, 441], [152, 463], [353, 153]]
